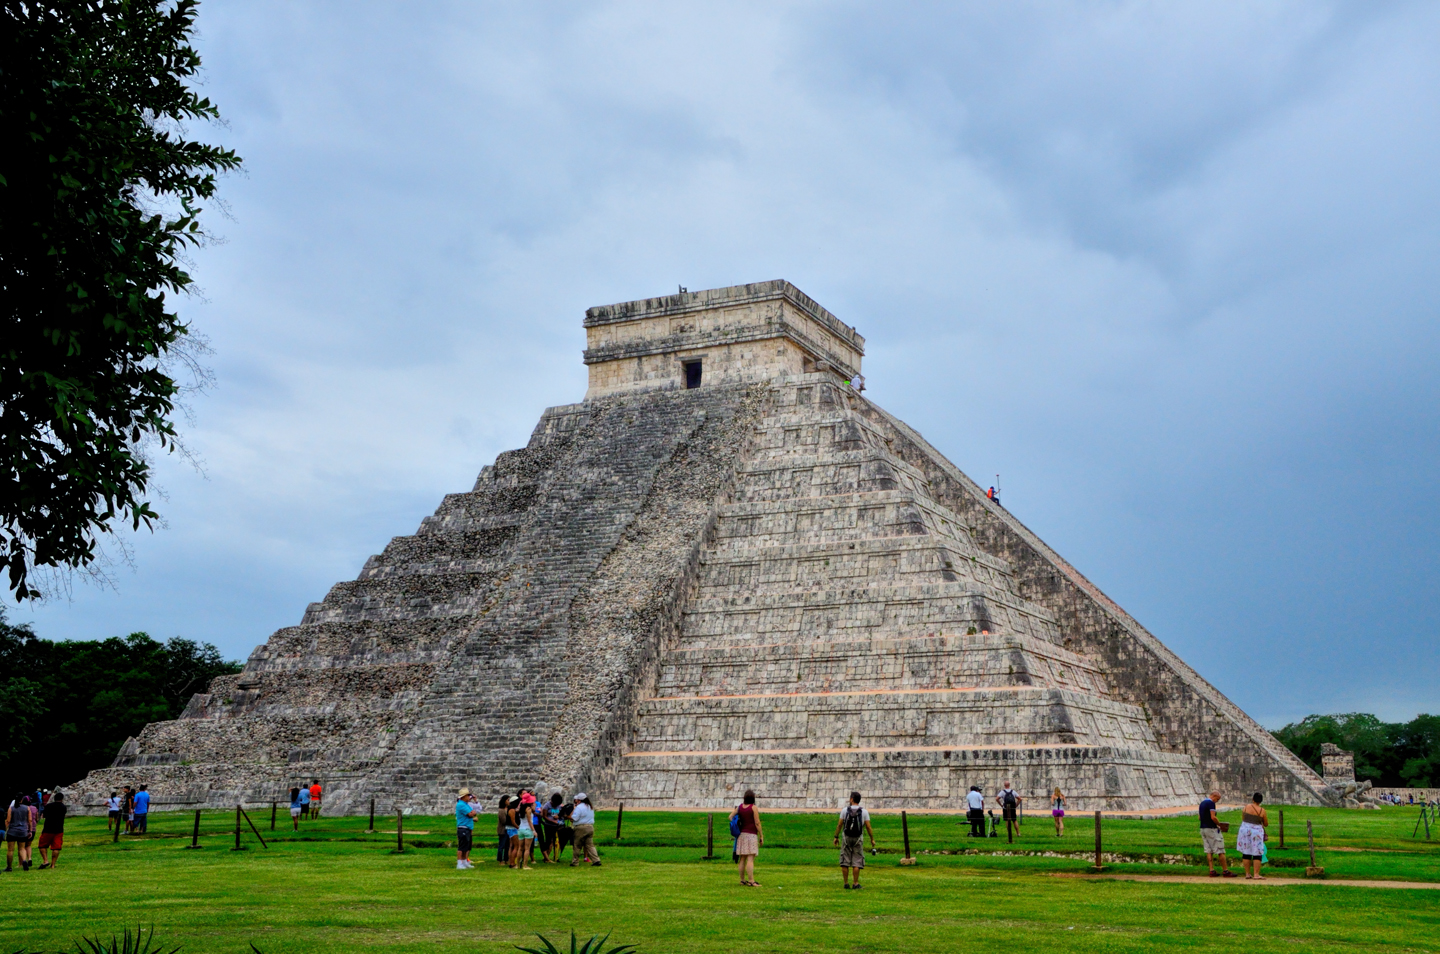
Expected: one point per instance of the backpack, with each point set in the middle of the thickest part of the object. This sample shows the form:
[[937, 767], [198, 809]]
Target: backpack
[[735, 825], [1007, 798], [854, 822]]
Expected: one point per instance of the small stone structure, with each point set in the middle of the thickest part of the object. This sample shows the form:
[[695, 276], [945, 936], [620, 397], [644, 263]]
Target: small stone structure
[[724, 569], [1337, 765]]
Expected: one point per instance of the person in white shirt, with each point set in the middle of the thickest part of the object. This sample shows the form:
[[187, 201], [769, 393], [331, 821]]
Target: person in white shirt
[[583, 818], [112, 808], [975, 804], [854, 822]]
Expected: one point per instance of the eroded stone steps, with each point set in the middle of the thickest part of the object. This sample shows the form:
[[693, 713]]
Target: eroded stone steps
[[891, 560], [906, 662], [846, 518], [888, 718], [1115, 778], [861, 612], [343, 645]]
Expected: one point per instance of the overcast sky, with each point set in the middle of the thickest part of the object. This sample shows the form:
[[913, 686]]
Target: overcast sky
[[1168, 269]]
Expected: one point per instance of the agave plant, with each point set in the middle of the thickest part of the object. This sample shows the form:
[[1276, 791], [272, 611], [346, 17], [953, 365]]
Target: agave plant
[[138, 943], [596, 945]]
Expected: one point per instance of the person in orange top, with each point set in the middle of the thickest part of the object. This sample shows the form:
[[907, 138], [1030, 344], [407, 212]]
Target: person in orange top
[[315, 798]]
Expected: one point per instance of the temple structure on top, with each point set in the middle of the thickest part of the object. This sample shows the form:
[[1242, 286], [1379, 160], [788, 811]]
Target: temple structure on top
[[724, 569]]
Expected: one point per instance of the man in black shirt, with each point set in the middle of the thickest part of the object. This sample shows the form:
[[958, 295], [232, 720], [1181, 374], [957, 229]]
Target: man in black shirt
[[52, 834], [1213, 837]]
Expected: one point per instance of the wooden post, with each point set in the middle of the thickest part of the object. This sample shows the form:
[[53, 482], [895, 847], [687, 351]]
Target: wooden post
[[254, 829], [1099, 843], [272, 816], [237, 830], [619, 817], [905, 835], [195, 835], [371, 829], [1282, 828], [399, 830], [1009, 831], [709, 837], [118, 822], [1314, 871]]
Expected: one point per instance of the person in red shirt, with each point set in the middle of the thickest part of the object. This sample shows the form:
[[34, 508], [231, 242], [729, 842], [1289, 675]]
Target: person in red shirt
[[315, 798]]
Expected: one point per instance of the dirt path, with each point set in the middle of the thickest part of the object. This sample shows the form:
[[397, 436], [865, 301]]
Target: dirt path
[[1191, 879]]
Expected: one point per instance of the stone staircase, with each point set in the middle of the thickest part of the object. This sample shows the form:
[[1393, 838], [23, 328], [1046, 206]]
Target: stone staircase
[[847, 633]]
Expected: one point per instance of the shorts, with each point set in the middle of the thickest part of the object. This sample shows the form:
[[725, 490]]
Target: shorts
[[1214, 841], [1009, 815], [114, 813], [524, 833], [56, 841], [464, 838], [852, 853], [1251, 857], [17, 835], [294, 811], [511, 832], [1057, 813]]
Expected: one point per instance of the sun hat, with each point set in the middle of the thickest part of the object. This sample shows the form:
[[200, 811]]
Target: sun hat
[[464, 792]]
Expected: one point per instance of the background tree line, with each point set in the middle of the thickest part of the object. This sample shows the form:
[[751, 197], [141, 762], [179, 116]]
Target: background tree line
[[67, 707], [1390, 754]]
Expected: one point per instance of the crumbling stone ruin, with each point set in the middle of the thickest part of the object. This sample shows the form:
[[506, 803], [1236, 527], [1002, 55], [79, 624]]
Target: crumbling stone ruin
[[724, 569]]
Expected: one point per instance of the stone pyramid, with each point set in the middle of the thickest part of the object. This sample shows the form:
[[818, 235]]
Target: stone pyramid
[[724, 569]]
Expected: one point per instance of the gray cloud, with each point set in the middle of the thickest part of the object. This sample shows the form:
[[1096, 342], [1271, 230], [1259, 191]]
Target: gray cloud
[[1168, 269]]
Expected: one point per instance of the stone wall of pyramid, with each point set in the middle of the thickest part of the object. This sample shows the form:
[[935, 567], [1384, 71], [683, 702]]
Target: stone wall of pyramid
[[672, 595]]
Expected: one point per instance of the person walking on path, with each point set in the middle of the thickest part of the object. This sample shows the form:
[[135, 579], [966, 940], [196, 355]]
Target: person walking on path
[[52, 835], [975, 811], [295, 808], [854, 822], [502, 829], [142, 810], [1251, 840], [1212, 836], [583, 817], [315, 798], [1057, 811], [1009, 800], [17, 831], [464, 828], [752, 836]]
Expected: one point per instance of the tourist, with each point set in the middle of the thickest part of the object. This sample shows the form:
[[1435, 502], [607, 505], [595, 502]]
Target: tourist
[[296, 807], [567, 831], [128, 808], [522, 833], [527, 805], [464, 828], [1212, 837], [502, 838], [1057, 811], [1251, 840], [550, 829], [142, 810], [583, 817], [112, 807], [315, 798], [32, 810], [304, 801], [854, 822], [17, 829], [52, 835], [975, 811], [1009, 801], [751, 837], [511, 830]]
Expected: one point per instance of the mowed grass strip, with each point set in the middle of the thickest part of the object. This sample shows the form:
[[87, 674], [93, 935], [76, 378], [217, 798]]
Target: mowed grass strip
[[334, 888]]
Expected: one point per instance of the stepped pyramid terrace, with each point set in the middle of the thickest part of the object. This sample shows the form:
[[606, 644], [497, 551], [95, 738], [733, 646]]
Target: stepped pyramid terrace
[[724, 569]]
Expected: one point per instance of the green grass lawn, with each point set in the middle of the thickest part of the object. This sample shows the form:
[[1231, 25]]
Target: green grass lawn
[[334, 888]]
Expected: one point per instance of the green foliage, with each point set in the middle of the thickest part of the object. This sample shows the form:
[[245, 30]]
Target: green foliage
[[98, 202], [66, 707], [1390, 754], [596, 945], [137, 943]]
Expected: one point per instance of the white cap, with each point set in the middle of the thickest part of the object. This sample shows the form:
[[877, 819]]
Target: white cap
[[580, 796]]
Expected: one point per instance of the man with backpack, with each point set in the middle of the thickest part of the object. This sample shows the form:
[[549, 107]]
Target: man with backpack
[[1010, 800], [854, 823]]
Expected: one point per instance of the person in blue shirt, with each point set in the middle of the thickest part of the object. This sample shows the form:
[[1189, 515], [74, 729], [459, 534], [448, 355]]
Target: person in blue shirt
[[142, 810], [464, 828], [304, 801]]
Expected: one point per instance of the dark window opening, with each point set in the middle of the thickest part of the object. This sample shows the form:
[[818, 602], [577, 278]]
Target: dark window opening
[[692, 374]]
